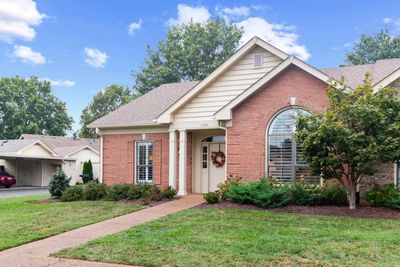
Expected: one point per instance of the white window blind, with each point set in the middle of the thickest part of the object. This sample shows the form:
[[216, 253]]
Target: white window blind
[[285, 160], [144, 162]]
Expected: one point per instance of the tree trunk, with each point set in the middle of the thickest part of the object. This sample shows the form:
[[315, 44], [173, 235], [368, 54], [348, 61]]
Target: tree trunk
[[352, 196]]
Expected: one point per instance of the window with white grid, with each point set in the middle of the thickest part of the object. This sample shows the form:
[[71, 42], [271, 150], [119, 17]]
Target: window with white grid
[[144, 162]]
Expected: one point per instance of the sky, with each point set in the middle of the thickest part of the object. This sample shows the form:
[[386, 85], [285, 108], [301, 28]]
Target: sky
[[83, 46]]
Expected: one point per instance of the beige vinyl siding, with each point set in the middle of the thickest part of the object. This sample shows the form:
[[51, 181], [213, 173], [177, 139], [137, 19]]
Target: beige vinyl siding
[[36, 151], [10, 166], [82, 156], [225, 88]]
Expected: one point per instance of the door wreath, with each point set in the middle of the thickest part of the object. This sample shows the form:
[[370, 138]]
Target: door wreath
[[218, 158]]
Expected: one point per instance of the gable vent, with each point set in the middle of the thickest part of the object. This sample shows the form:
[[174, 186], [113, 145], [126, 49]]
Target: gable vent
[[257, 61]]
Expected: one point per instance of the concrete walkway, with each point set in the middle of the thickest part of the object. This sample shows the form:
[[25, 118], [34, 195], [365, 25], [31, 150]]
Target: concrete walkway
[[37, 253]]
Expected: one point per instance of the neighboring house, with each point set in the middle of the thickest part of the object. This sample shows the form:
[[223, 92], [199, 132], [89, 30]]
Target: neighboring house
[[33, 158], [244, 109]]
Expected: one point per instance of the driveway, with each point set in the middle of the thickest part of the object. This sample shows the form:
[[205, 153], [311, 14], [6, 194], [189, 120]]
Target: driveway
[[22, 191]]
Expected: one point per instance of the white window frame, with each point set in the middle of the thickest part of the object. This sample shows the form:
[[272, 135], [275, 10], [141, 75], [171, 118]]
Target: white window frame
[[294, 143], [254, 61], [147, 165]]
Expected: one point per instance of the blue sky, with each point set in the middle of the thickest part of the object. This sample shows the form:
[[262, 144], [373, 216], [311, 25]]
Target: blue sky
[[83, 46]]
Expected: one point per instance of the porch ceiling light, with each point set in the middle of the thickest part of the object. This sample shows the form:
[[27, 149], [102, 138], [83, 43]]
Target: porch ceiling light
[[292, 100]]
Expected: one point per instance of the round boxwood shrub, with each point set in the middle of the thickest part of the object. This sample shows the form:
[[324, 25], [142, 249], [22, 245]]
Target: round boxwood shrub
[[74, 193], [94, 191], [211, 197], [168, 193]]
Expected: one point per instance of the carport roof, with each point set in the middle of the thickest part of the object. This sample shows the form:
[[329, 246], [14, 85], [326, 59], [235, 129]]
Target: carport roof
[[10, 146]]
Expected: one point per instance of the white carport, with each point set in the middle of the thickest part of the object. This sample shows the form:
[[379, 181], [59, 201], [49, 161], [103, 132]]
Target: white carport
[[31, 162]]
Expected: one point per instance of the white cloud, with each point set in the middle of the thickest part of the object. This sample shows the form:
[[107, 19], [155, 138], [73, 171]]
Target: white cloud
[[188, 13], [242, 11], [387, 20], [60, 83], [134, 26], [18, 18], [279, 35], [27, 55], [95, 58]]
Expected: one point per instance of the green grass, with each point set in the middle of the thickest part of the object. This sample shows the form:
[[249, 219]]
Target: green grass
[[22, 222], [234, 237]]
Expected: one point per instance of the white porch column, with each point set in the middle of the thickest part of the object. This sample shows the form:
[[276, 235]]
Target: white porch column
[[182, 162], [172, 159]]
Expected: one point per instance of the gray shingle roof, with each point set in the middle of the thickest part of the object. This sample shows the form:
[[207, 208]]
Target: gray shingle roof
[[62, 145], [354, 75], [144, 109], [13, 146]]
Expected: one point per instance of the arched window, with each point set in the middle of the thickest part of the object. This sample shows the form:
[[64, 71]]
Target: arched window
[[284, 154]]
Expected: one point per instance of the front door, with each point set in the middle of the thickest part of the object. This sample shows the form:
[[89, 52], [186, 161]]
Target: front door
[[211, 175]]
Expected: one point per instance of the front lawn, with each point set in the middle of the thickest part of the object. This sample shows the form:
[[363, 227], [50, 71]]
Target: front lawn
[[236, 237], [22, 221]]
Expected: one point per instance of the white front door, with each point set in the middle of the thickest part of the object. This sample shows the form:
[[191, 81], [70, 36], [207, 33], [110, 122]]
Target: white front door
[[211, 175]]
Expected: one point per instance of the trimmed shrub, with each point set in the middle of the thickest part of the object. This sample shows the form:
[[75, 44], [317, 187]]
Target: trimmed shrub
[[211, 197], [394, 203], [138, 191], [58, 183], [94, 191], [303, 193], [153, 195], [118, 191], [382, 195], [168, 193], [332, 195], [73, 193], [223, 188], [264, 193]]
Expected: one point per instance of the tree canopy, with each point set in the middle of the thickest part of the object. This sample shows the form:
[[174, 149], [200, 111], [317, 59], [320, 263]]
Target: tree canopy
[[190, 52], [29, 106], [105, 101], [370, 48], [359, 130]]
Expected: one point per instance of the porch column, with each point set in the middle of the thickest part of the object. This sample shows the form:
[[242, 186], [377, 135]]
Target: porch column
[[182, 162], [172, 159]]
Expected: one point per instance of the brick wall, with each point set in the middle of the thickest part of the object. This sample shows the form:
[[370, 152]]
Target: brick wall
[[247, 136], [119, 158]]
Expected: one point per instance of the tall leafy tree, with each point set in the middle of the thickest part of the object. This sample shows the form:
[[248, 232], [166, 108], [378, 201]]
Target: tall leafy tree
[[190, 52], [29, 106], [357, 132], [370, 48], [105, 101]]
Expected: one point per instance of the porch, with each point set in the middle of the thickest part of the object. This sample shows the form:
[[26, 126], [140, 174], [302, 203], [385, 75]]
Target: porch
[[191, 166]]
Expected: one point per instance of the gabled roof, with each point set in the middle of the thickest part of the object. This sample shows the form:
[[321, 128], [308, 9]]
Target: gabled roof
[[355, 74], [145, 109], [225, 112], [18, 146], [13, 146], [62, 145], [165, 117], [156, 107]]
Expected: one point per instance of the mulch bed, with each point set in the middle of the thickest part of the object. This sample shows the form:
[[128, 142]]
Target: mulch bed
[[363, 211]]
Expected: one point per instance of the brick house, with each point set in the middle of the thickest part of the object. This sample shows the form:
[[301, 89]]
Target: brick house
[[245, 109]]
